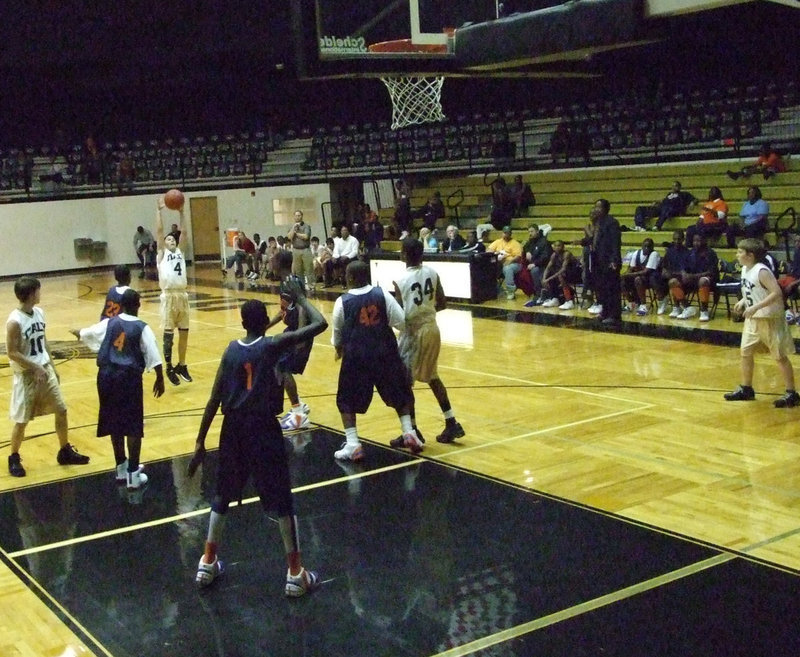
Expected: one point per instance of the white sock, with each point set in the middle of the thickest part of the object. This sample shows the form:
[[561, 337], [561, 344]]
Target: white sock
[[405, 424], [351, 435]]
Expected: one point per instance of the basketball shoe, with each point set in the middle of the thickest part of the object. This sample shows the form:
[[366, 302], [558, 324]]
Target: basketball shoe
[[208, 572], [136, 480], [451, 432], [400, 441], [172, 375], [183, 372], [350, 452], [294, 422], [411, 441], [122, 472], [68, 455], [304, 582], [305, 409]]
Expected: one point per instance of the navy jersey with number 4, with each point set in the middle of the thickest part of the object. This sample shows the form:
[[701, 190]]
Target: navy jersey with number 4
[[248, 381], [122, 344]]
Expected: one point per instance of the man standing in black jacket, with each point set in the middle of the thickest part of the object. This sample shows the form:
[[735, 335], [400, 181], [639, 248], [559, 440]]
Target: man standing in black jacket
[[606, 262]]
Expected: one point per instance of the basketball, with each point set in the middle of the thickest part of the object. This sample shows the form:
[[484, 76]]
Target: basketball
[[173, 199]]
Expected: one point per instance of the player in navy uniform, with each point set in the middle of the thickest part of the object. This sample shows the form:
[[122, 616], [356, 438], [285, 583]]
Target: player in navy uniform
[[128, 347], [113, 302], [93, 336], [251, 441], [363, 318], [294, 360]]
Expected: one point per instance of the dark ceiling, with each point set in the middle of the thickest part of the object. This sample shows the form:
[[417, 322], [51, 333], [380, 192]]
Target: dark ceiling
[[187, 68]]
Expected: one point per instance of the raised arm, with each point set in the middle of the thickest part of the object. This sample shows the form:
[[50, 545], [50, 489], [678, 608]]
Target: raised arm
[[316, 322]]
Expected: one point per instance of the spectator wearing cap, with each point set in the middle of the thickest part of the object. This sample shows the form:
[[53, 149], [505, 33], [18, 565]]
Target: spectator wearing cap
[[509, 259]]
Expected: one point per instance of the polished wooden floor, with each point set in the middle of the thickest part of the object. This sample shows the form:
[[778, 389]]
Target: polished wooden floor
[[625, 425]]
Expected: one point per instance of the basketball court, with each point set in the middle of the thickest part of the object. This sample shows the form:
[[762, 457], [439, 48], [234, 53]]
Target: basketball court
[[605, 500]]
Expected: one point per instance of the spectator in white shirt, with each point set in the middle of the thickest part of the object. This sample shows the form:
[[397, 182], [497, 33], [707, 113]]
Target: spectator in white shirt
[[345, 250], [643, 273]]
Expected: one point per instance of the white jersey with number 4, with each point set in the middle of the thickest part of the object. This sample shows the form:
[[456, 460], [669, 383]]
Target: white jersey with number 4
[[172, 271], [418, 290], [32, 343], [753, 292]]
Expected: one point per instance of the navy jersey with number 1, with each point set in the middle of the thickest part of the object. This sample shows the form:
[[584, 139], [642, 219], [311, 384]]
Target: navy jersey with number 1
[[248, 381]]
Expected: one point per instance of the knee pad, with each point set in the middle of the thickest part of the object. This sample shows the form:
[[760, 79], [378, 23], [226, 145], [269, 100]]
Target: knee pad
[[169, 336]]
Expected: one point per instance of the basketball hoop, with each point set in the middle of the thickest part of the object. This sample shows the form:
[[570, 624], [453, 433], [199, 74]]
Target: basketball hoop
[[415, 99]]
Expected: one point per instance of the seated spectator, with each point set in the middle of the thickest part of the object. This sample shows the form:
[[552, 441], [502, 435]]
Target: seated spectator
[[429, 242], [145, 245], [674, 204], [258, 256], [509, 256], [321, 255], [473, 244], [562, 272], [432, 211], [790, 281], [345, 250], [672, 264], [402, 210], [240, 255], [502, 204], [522, 197], [700, 275], [769, 163], [536, 256], [271, 259], [713, 219], [453, 241], [644, 272], [755, 218]]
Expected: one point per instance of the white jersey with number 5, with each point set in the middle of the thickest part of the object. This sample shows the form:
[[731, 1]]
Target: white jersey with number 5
[[32, 343], [172, 271], [418, 290], [753, 292]]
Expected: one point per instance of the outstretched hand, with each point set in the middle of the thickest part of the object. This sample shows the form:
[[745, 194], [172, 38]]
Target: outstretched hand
[[294, 288], [197, 460]]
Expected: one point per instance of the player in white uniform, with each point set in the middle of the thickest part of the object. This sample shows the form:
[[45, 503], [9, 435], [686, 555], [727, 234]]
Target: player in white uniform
[[35, 389], [420, 293], [174, 299], [764, 323]]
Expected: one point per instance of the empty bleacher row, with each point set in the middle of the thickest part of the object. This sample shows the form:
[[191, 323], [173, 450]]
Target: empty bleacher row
[[712, 123]]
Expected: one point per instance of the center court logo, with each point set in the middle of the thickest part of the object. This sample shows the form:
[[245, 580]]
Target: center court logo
[[338, 45]]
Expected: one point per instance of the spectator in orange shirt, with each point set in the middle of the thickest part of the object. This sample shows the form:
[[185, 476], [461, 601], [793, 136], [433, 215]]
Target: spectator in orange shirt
[[769, 163], [713, 219]]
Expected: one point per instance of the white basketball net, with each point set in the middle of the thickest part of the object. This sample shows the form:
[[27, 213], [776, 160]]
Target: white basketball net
[[415, 100]]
